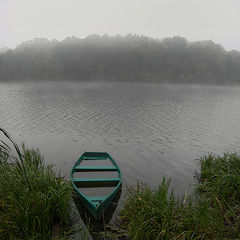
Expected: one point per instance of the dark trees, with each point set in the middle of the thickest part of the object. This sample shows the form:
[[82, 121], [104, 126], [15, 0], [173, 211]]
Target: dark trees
[[129, 58]]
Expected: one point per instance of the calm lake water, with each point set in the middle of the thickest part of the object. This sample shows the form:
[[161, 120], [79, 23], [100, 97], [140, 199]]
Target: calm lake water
[[150, 130]]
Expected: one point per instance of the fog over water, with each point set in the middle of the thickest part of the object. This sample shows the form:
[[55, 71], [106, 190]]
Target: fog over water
[[195, 20], [151, 130]]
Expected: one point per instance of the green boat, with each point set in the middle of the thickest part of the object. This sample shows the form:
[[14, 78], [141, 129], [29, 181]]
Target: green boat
[[96, 190]]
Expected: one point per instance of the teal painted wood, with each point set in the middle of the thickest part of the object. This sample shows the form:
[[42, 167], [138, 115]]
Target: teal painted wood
[[95, 168], [96, 204]]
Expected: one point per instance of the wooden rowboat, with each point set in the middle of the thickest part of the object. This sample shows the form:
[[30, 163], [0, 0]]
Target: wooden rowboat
[[85, 177]]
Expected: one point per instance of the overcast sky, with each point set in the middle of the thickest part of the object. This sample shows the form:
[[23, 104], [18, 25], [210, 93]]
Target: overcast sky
[[218, 20]]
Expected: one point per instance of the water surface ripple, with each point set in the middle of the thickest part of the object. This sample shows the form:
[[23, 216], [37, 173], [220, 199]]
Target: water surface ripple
[[151, 130]]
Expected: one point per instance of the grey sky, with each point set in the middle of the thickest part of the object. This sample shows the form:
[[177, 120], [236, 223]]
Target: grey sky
[[218, 20]]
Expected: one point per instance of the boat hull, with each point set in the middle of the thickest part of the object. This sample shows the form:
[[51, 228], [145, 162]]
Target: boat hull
[[98, 204]]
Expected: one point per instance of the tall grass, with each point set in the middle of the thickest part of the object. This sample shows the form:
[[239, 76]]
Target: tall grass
[[219, 184], [32, 197], [212, 212]]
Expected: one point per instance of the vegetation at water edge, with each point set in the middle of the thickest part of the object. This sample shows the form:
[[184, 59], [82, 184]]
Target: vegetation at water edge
[[212, 212], [32, 197]]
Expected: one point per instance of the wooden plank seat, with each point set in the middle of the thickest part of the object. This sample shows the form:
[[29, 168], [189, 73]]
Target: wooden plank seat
[[94, 168], [95, 158]]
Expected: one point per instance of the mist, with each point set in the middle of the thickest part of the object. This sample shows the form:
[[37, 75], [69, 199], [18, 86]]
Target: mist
[[195, 20], [133, 58]]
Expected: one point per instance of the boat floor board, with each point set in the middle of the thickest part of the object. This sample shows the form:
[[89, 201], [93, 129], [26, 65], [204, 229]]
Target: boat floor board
[[99, 162], [96, 191]]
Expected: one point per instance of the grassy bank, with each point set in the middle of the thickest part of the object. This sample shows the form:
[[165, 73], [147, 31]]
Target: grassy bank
[[212, 212], [32, 197]]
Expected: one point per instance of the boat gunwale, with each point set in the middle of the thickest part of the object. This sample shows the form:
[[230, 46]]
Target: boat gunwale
[[109, 196]]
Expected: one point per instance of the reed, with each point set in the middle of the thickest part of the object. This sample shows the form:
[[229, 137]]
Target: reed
[[32, 197], [212, 212]]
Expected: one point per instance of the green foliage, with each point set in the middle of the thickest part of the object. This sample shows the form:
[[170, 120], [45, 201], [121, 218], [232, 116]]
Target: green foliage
[[32, 196], [130, 58], [211, 213], [219, 184], [220, 175]]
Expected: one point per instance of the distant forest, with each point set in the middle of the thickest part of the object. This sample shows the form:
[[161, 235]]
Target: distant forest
[[131, 58]]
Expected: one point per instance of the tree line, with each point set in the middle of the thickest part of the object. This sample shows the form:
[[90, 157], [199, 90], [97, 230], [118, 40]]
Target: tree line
[[131, 58]]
